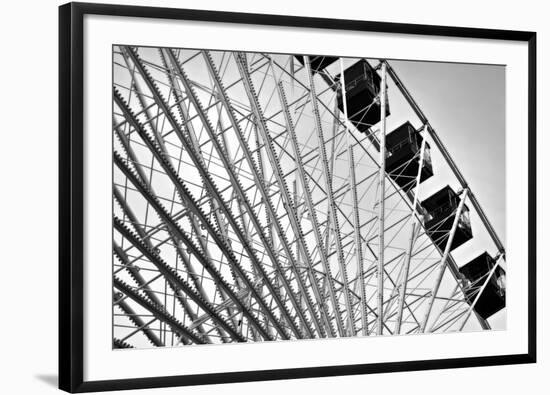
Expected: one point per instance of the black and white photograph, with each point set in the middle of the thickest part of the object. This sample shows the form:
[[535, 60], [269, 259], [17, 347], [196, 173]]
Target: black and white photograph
[[276, 196]]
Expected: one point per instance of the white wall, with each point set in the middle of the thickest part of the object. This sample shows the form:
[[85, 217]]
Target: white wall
[[28, 159]]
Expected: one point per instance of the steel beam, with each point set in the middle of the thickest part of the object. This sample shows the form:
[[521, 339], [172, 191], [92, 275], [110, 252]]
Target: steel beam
[[138, 322], [162, 315], [406, 265], [332, 204], [308, 200], [356, 222], [290, 206], [238, 189], [381, 203], [208, 265], [178, 283], [443, 262], [209, 184]]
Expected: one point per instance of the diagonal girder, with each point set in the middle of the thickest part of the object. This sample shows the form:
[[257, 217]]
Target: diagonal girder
[[308, 197], [244, 199], [158, 312], [288, 203], [179, 283], [198, 254], [332, 204], [189, 200]]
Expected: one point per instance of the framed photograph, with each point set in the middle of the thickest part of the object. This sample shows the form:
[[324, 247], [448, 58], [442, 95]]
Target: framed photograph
[[257, 197]]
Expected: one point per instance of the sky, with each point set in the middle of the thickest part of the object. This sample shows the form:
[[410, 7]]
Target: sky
[[465, 104]]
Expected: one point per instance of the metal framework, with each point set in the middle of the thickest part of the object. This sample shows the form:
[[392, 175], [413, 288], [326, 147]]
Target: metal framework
[[247, 207]]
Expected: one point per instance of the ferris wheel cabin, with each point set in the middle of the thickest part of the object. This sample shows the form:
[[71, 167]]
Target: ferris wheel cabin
[[441, 209], [362, 89], [493, 297], [403, 156], [317, 63]]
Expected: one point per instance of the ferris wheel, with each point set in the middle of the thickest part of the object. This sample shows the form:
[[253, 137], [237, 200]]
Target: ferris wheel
[[262, 197]]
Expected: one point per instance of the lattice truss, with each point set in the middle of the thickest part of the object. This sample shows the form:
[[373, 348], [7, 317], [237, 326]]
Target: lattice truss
[[247, 208]]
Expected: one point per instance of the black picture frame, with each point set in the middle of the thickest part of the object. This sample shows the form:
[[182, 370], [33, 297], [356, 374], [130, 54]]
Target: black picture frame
[[71, 195]]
